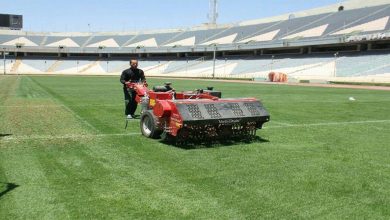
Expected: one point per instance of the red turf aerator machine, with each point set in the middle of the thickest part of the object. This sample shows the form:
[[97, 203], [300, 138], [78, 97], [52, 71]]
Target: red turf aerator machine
[[200, 115]]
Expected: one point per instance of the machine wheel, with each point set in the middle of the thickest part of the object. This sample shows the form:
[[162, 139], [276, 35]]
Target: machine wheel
[[148, 125]]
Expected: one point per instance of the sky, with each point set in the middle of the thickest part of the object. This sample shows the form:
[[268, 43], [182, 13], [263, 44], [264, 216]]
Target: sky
[[138, 15]]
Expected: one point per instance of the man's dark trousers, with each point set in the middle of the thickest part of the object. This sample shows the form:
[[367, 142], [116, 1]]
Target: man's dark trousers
[[131, 104]]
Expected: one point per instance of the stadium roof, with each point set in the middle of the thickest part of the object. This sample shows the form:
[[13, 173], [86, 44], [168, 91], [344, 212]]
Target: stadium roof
[[326, 25], [348, 5]]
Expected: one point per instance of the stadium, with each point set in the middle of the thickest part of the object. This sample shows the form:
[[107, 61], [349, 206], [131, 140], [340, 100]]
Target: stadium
[[319, 44], [64, 152]]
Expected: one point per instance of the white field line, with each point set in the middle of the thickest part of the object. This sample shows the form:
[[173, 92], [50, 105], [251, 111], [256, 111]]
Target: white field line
[[81, 136], [56, 106], [327, 124], [66, 136], [341, 101], [282, 123]]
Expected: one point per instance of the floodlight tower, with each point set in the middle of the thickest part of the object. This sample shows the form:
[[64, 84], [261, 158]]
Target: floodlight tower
[[213, 14]]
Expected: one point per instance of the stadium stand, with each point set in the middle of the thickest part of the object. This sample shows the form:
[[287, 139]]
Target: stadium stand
[[321, 43], [297, 67]]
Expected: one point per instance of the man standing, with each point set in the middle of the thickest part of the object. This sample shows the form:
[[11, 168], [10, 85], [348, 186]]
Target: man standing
[[131, 75]]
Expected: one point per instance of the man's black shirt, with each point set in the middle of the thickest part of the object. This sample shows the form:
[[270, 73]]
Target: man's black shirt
[[132, 75]]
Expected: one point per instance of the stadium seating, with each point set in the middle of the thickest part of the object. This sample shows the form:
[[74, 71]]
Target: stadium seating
[[296, 67], [327, 25], [361, 65], [323, 24]]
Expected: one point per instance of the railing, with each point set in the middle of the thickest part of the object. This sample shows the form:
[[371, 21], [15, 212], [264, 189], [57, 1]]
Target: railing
[[182, 49]]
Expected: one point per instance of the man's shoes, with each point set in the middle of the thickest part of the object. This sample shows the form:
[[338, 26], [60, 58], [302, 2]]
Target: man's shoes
[[131, 117]]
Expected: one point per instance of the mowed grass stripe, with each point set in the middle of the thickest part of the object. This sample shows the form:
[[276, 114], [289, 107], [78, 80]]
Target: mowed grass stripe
[[107, 107], [83, 136], [7, 86], [4, 190], [55, 106], [326, 170], [55, 97], [135, 185], [78, 174], [33, 188], [29, 121], [154, 184], [341, 123], [65, 136]]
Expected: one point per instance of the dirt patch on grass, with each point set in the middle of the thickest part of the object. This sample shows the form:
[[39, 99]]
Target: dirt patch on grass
[[28, 120]]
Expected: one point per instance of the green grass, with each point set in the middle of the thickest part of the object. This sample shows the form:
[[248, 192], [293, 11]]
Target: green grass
[[64, 146], [362, 83]]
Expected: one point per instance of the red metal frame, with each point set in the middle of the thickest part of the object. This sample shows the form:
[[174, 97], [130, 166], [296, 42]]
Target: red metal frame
[[165, 109]]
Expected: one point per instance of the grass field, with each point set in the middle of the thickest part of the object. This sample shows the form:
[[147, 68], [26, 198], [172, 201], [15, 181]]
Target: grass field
[[64, 154]]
